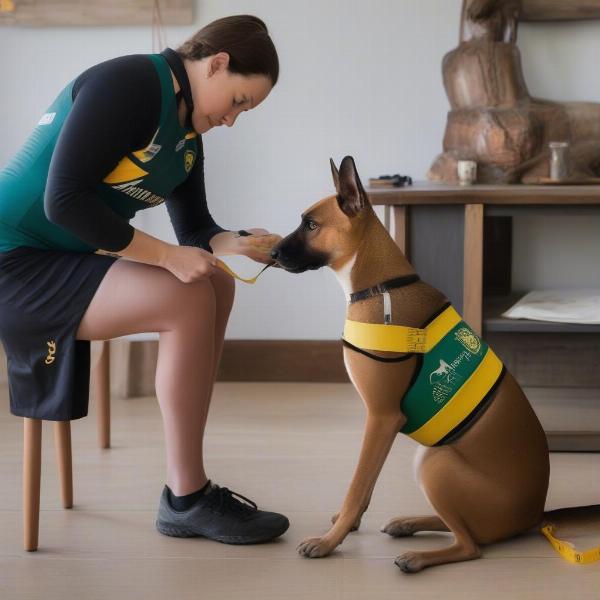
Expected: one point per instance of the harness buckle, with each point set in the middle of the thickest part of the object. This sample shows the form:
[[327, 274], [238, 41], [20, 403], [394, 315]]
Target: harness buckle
[[387, 308], [416, 340]]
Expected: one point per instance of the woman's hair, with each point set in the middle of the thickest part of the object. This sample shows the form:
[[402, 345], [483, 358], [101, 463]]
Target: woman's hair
[[244, 37]]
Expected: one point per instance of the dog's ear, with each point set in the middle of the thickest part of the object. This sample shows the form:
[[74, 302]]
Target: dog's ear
[[335, 174], [352, 197]]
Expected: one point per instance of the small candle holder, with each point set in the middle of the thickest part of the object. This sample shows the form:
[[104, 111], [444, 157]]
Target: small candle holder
[[467, 172], [559, 160]]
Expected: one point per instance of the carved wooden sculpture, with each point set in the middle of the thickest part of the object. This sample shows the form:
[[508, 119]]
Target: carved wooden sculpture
[[493, 119]]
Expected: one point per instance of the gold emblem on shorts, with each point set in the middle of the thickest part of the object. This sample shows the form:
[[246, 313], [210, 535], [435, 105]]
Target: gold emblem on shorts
[[188, 160], [51, 352], [468, 339]]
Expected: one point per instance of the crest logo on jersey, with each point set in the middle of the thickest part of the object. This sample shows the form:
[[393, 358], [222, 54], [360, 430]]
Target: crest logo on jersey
[[188, 160]]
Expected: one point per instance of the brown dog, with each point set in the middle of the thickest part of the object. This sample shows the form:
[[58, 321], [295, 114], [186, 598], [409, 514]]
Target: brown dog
[[487, 480]]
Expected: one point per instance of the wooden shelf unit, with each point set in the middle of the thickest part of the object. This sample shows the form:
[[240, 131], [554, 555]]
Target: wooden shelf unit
[[440, 228]]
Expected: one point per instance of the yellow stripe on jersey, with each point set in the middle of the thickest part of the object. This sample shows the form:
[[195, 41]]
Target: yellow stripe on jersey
[[126, 170]]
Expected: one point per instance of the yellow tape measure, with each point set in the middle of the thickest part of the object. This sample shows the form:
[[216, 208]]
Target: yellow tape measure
[[251, 280], [567, 549]]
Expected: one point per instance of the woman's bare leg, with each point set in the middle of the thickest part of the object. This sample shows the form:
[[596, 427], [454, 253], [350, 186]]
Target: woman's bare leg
[[191, 319], [224, 288]]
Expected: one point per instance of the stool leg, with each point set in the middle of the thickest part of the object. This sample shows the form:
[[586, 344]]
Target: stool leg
[[32, 472], [62, 444], [101, 381]]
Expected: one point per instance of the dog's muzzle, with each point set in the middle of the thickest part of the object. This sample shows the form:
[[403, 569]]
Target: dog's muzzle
[[294, 264]]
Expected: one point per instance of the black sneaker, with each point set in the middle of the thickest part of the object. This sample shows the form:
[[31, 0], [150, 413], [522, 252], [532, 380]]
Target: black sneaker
[[220, 516]]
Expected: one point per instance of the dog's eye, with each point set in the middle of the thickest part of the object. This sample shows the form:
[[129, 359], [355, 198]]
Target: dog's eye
[[310, 225]]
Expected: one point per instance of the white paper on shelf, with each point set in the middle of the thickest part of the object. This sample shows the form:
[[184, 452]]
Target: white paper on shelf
[[560, 306]]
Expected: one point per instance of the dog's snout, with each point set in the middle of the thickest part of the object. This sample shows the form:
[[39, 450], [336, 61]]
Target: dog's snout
[[293, 255]]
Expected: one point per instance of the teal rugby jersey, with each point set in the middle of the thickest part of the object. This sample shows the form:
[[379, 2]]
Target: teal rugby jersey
[[142, 178]]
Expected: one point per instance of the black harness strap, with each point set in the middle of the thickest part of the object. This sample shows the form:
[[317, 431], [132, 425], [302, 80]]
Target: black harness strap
[[380, 288]]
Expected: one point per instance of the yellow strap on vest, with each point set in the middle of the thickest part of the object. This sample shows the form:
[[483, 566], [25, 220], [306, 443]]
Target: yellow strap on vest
[[227, 269], [398, 338], [461, 405], [567, 550]]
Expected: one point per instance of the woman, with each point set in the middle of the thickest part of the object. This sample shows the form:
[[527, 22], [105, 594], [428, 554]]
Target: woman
[[122, 137]]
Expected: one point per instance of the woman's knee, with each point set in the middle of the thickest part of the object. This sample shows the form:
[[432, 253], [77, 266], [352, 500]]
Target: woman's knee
[[184, 306], [196, 299]]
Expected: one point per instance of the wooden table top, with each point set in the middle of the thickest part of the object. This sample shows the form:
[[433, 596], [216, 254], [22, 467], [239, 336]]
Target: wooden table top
[[423, 192]]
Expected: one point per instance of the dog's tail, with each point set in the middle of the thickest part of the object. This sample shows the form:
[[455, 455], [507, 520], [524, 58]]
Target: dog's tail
[[580, 525]]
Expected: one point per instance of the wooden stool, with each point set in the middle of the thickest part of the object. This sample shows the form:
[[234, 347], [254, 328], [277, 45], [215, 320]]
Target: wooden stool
[[32, 452]]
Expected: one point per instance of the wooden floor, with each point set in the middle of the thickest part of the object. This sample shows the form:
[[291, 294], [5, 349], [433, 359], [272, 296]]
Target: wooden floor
[[291, 448]]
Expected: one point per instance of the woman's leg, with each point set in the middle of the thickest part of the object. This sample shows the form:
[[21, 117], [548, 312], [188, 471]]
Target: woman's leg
[[191, 320], [224, 288]]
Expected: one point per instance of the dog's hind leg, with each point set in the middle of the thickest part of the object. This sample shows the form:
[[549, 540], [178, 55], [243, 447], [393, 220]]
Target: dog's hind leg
[[464, 548], [444, 477], [407, 526]]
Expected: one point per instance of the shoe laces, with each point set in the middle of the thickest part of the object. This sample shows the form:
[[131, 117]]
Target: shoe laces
[[224, 498]]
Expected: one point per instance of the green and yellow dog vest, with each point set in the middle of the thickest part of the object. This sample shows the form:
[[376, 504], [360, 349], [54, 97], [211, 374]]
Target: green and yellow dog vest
[[458, 371]]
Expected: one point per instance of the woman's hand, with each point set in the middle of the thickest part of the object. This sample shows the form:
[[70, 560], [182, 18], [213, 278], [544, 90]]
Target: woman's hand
[[189, 263], [256, 246]]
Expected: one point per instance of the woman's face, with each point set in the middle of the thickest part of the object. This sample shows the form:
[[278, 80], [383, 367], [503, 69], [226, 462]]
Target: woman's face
[[219, 95]]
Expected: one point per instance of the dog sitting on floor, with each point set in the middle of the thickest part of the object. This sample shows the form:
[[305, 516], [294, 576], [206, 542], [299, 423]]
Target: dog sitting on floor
[[420, 369]]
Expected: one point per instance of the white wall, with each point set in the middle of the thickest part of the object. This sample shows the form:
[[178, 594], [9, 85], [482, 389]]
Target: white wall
[[360, 78]]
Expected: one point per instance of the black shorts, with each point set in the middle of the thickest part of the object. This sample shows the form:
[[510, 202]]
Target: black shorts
[[43, 297]]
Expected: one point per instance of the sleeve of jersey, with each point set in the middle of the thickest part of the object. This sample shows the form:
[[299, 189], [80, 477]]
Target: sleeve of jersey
[[115, 110], [188, 210]]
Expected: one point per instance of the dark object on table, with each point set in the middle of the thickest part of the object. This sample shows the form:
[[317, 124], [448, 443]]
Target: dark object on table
[[391, 180]]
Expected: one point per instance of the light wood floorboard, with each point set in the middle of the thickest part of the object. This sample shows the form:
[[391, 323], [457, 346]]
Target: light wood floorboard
[[291, 448]]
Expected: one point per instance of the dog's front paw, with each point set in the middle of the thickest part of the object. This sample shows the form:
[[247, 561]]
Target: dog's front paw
[[353, 528], [410, 562], [315, 547]]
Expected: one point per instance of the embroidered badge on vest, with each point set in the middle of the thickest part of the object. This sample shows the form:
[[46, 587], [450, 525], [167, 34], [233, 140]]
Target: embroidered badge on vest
[[443, 381], [470, 341]]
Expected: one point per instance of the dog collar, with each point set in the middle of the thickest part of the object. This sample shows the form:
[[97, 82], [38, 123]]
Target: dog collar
[[380, 288]]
